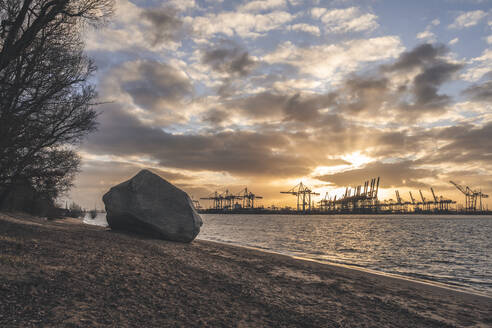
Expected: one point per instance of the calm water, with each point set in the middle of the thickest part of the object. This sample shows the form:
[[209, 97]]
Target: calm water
[[454, 250]]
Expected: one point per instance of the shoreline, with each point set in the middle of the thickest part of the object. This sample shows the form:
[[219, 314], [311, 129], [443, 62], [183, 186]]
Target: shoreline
[[432, 283], [435, 283], [66, 273]]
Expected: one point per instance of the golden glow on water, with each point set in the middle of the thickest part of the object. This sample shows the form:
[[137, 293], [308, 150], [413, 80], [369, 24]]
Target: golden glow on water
[[448, 249]]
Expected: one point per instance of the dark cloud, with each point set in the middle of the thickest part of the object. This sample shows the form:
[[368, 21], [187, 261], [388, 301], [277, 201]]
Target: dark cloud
[[363, 94], [260, 105], [290, 107], [229, 58], [480, 92], [306, 108], [464, 144], [426, 84], [418, 57], [155, 84], [384, 91], [389, 90], [233, 62], [241, 153], [215, 116], [230, 87], [398, 143], [374, 94], [400, 174], [435, 71], [166, 25]]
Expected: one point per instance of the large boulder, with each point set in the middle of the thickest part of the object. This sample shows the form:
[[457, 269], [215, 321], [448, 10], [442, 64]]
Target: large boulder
[[150, 205]]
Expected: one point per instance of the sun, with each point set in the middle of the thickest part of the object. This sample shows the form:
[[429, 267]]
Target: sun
[[357, 159]]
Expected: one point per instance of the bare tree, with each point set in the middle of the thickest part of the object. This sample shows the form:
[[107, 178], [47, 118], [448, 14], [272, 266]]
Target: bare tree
[[46, 100]]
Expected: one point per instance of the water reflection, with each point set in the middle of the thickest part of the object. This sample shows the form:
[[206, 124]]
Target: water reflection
[[455, 250]]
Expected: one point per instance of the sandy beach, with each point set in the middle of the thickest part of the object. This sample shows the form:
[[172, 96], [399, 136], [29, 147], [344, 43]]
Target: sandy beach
[[66, 274]]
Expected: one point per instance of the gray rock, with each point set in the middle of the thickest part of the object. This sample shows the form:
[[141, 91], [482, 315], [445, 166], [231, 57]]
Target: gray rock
[[150, 205]]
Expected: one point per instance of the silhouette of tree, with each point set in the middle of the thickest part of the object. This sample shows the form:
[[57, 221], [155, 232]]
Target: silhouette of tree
[[46, 100]]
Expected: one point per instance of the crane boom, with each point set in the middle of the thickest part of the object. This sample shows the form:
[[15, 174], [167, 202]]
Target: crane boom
[[434, 195], [411, 197], [398, 198], [460, 188]]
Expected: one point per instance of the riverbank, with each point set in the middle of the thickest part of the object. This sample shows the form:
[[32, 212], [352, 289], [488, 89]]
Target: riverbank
[[64, 273]]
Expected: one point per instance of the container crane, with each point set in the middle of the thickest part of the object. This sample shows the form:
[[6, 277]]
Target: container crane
[[324, 203], [399, 201], [425, 204], [358, 198], [229, 199], [216, 198], [436, 201], [441, 204], [398, 198], [303, 194], [248, 198], [471, 197], [480, 196], [414, 203], [221, 201]]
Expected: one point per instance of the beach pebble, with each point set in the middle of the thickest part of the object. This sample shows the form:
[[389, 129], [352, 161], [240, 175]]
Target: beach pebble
[[150, 205]]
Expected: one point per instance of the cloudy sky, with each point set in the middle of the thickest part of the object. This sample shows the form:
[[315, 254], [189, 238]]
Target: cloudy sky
[[216, 94]]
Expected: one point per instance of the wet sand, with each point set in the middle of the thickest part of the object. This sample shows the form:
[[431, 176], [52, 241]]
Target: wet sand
[[67, 274]]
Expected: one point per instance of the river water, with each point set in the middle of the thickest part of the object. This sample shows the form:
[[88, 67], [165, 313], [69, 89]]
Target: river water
[[452, 250]]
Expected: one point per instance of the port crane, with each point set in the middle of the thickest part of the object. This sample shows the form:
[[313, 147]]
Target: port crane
[[414, 203], [358, 199], [398, 198], [402, 205], [227, 200], [216, 198], [303, 194], [223, 200], [248, 198], [434, 196], [441, 204], [324, 203], [425, 204], [327, 203], [471, 197], [230, 199]]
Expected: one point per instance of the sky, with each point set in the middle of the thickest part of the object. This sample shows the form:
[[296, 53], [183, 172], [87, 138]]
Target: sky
[[216, 94]]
